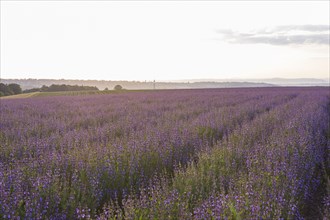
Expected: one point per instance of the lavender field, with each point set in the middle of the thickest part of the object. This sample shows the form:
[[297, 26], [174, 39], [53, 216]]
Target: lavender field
[[257, 153]]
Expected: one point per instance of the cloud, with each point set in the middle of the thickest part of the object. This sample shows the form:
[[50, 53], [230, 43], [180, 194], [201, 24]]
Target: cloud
[[280, 35], [311, 28]]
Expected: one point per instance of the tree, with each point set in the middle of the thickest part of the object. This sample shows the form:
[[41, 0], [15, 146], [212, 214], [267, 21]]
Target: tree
[[106, 89], [15, 88], [44, 88], [5, 90], [118, 87]]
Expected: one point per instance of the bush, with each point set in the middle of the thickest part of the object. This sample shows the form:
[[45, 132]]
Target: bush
[[32, 90], [118, 87], [15, 88]]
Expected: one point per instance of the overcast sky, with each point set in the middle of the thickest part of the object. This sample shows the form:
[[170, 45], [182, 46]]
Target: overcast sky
[[134, 40]]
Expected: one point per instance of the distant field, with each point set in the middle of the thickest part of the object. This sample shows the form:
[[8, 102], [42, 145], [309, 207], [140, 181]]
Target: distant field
[[252, 153], [65, 93]]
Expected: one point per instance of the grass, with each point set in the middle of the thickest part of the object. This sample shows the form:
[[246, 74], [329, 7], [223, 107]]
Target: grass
[[20, 96], [67, 93]]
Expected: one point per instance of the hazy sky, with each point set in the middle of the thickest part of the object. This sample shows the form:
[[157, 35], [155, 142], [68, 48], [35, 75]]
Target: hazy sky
[[146, 40]]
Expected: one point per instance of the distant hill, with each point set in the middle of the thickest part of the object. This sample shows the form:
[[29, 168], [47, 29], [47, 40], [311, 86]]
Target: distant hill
[[296, 82], [273, 81], [135, 85]]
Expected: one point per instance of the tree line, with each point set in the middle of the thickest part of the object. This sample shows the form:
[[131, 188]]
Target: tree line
[[14, 89], [60, 88], [63, 87]]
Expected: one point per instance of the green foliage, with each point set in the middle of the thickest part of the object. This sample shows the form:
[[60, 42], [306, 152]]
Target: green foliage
[[6, 90], [118, 87], [15, 88], [32, 90], [10, 89], [63, 87]]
